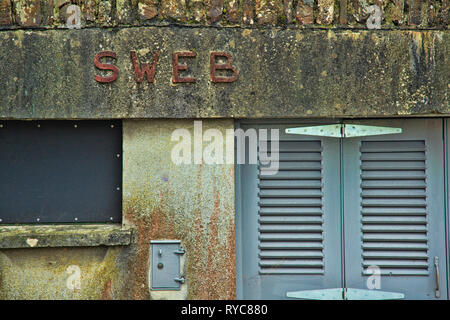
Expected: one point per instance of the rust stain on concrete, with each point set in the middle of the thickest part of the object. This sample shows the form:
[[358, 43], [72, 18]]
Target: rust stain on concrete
[[194, 204]]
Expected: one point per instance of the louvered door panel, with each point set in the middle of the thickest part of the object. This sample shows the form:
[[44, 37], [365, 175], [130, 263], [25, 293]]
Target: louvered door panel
[[291, 226], [338, 206], [394, 207], [290, 220]]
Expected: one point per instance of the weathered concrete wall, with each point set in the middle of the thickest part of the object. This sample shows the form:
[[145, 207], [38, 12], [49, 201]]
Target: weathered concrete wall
[[283, 73], [296, 58], [292, 13], [44, 273], [191, 203]]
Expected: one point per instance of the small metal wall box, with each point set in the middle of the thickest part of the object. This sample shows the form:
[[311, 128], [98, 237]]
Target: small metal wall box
[[165, 265]]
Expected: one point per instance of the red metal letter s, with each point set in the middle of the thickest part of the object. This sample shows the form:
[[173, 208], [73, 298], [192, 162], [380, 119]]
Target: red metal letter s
[[106, 66]]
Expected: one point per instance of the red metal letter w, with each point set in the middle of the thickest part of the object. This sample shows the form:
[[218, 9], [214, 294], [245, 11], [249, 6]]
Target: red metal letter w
[[140, 72]]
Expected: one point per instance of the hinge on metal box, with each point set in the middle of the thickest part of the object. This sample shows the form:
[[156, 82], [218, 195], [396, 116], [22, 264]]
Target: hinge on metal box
[[180, 251], [343, 130], [345, 294]]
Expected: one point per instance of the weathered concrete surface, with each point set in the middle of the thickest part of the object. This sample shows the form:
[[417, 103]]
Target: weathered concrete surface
[[44, 273], [192, 203], [63, 236], [283, 73]]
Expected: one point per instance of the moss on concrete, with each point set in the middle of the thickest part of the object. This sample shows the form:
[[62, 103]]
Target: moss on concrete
[[63, 236], [44, 273], [192, 203], [284, 73]]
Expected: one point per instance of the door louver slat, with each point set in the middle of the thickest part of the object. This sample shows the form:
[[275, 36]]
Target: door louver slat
[[289, 220], [394, 207], [397, 220], [395, 255], [394, 237], [394, 228], [406, 184], [291, 193], [397, 212], [290, 211], [394, 246], [303, 184], [291, 245]]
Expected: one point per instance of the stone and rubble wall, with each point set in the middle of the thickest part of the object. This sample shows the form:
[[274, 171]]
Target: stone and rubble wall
[[416, 14]]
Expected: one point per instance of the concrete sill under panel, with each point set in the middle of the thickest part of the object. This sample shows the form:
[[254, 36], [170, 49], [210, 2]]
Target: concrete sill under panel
[[49, 236]]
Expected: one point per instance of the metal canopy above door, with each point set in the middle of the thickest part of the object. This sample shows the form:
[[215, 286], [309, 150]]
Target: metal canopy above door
[[343, 130]]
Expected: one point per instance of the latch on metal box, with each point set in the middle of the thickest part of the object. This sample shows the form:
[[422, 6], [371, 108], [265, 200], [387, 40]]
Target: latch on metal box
[[165, 265]]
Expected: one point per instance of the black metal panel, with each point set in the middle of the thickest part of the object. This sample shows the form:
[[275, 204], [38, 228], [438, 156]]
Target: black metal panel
[[60, 171]]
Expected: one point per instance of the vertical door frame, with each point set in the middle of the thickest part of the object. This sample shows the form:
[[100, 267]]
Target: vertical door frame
[[446, 154], [238, 222]]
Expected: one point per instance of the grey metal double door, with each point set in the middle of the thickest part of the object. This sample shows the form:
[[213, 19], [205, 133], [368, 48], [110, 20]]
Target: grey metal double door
[[344, 214]]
